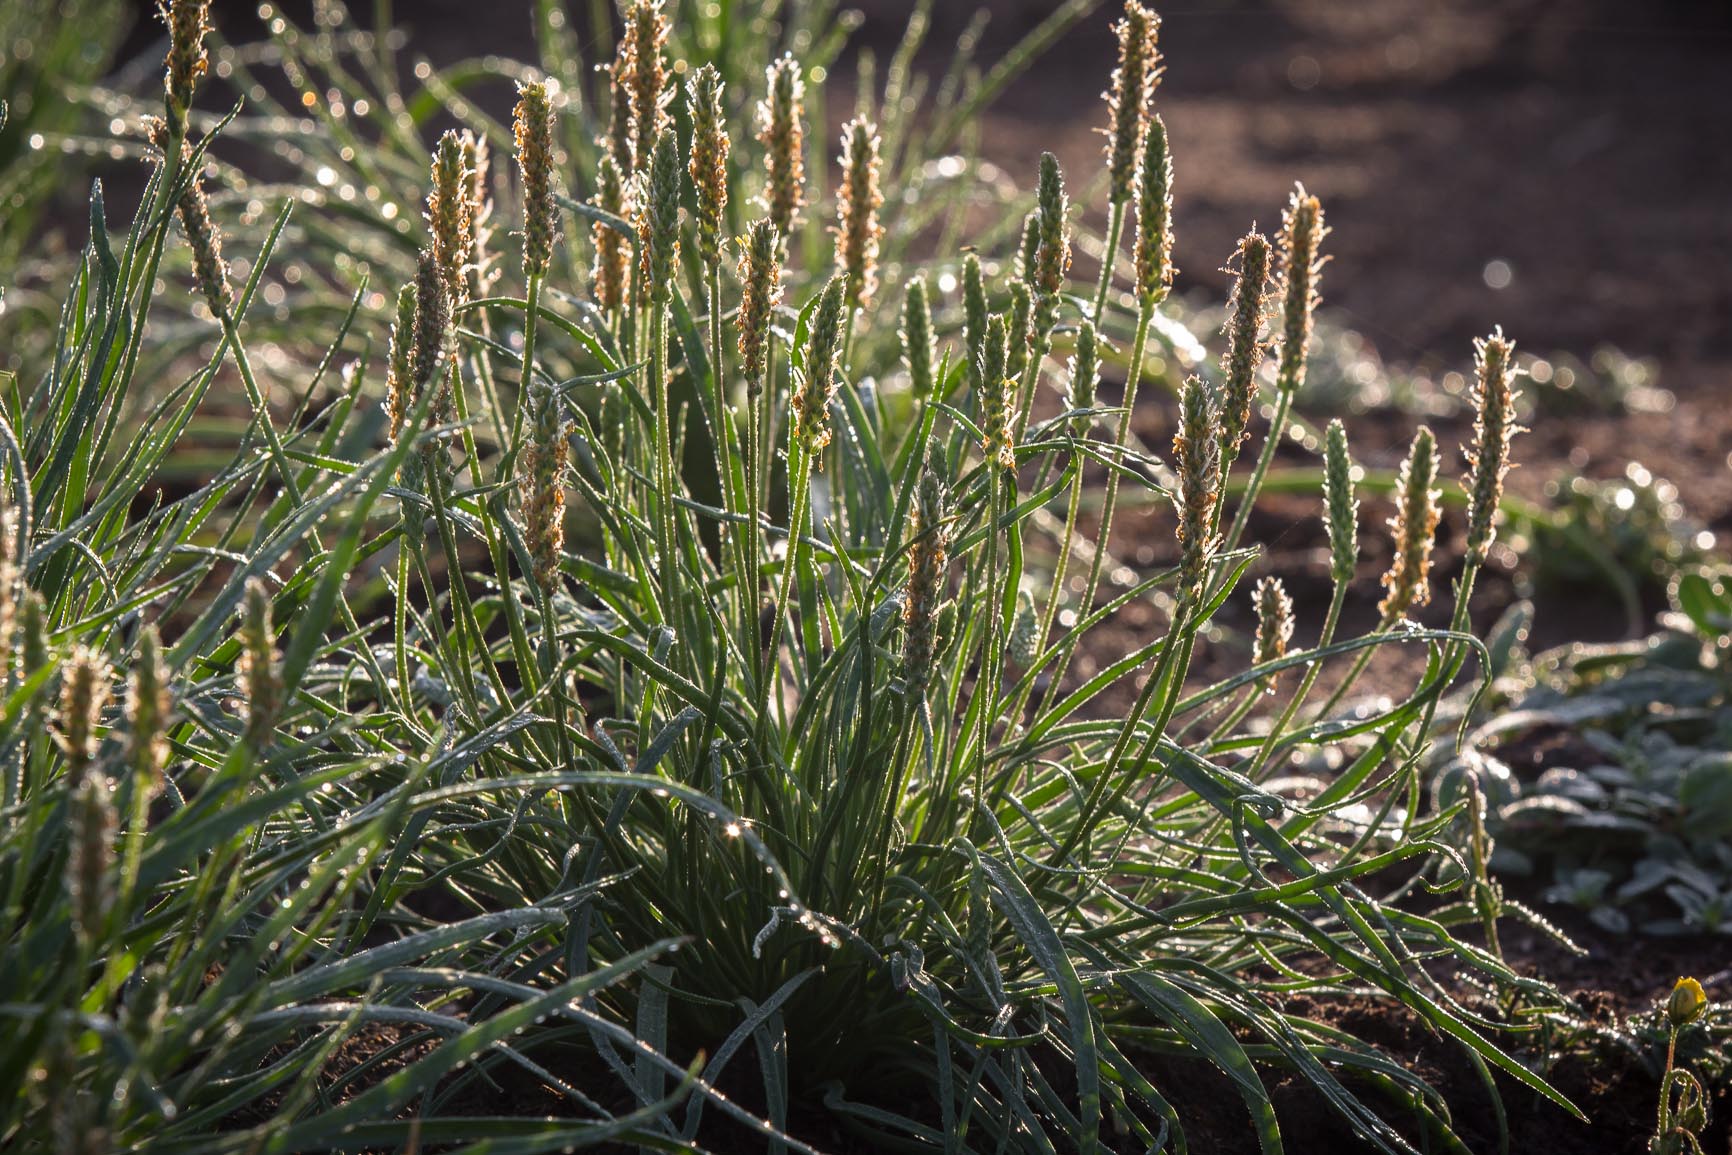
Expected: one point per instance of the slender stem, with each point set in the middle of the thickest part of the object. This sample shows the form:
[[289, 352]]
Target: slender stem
[[261, 409], [1330, 622], [526, 374], [992, 665], [1110, 500], [1271, 443], [799, 479], [664, 464], [1109, 258]]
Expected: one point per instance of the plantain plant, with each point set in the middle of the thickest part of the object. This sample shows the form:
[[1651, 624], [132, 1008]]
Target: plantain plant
[[619, 682]]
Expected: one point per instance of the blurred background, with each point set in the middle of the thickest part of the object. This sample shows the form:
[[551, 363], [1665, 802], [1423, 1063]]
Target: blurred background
[[1560, 167]]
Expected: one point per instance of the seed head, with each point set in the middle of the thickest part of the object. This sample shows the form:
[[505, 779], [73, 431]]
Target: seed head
[[534, 128], [973, 315], [188, 21], [1155, 269], [478, 207], [709, 160], [1244, 331], [1052, 257], [84, 691], [857, 202], [659, 220], [448, 208], [994, 399], [919, 347], [645, 40], [1493, 426], [147, 705], [542, 489], [1302, 233], [210, 273], [432, 322], [1019, 333], [1197, 455], [1128, 100], [261, 682], [928, 554], [1687, 1002], [1274, 623], [90, 857], [761, 281], [1029, 250], [1085, 375], [1340, 507], [1414, 526], [783, 136], [612, 250], [399, 385], [618, 138], [811, 401]]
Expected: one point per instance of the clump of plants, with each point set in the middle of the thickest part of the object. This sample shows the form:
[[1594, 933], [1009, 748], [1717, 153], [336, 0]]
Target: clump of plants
[[1629, 815], [618, 690]]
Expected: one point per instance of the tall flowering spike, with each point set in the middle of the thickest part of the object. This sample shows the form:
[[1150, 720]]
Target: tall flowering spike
[[210, 273], [1493, 426], [534, 128], [1028, 250], [709, 160], [1197, 458], [399, 387], [811, 401], [928, 554], [1302, 233], [90, 857], [1052, 256], [618, 139], [1085, 375], [1244, 331], [1128, 100], [857, 203], [1154, 255], [646, 33], [994, 401], [1019, 331], [261, 682], [659, 222], [1274, 622], [612, 266], [973, 315], [432, 322], [478, 207], [543, 489], [188, 21], [147, 707], [448, 215], [84, 691], [1414, 526], [761, 281], [1340, 507], [919, 347], [783, 133]]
